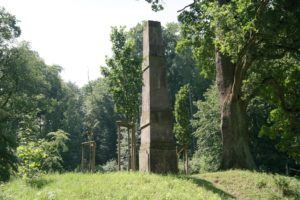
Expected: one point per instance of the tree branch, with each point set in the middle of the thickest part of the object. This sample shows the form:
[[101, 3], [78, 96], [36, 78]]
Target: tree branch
[[280, 93], [244, 58], [187, 6], [287, 48]]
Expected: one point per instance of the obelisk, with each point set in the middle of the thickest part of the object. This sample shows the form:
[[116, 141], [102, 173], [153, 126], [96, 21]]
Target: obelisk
[[157, 151]]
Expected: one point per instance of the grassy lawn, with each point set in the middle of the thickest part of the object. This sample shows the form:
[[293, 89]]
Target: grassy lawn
[[122, 185], [252, 185]]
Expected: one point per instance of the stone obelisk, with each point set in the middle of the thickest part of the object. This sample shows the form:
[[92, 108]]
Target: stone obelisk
[[157, 151]]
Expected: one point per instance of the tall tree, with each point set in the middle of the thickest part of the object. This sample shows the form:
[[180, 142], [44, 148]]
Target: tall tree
[[99, 119], [73, 123], [240, 35], [19, 97], [9, 30], [182, 127], [124, 74]]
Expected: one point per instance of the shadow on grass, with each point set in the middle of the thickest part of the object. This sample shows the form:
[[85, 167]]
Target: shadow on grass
[[209, 187], [38, 182]]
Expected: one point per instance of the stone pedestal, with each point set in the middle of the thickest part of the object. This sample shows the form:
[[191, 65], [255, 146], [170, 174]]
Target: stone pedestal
[[157, 151]]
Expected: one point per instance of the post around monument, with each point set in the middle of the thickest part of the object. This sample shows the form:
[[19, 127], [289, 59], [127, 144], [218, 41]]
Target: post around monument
[[131, 144]]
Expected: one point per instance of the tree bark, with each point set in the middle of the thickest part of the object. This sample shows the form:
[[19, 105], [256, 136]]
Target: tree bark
[[234, 127]]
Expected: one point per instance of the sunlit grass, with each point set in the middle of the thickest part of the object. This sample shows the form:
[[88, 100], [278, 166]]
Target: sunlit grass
[[253, 185], [108, 186], [122, 185]]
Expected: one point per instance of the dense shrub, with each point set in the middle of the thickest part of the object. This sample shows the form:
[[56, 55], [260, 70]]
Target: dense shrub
[[206, 123]]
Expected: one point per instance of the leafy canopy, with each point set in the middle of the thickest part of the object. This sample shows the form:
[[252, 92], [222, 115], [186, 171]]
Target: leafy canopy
[[206, 123], [182, 114], [124, 74]]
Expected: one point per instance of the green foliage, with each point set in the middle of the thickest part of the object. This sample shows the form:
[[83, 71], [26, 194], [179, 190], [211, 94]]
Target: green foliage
[[197, 33], [31, 158], [124, 74], [37, 182], [110, 166], [7, 158], [23, 97], [238, 28], [53, 147], [156, 5], [181, 68], [285, 127], [266, 155], [195, 164], [35, 101], [233, 23], [206, 123], [99, 119], [182, 112], [9, 30], [31, 96], [72, 123], [40, 156], [244, 32], [276, 85]]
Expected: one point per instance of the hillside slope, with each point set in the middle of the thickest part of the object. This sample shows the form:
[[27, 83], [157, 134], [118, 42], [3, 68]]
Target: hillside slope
[[221, 185]]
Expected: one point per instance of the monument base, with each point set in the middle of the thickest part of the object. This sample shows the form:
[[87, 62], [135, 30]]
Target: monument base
[[158, 160]]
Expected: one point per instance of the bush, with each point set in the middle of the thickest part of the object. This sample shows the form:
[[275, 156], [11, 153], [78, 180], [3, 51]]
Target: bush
[[41, 156], [206, 122], [31, 158], [195, 165], [204, 163], [110, 166], [37, 182]]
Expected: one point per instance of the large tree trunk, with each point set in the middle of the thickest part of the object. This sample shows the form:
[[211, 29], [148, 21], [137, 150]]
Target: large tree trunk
[[234, 127]]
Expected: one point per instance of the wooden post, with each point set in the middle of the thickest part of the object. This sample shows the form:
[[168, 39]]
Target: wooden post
[[129, 150], [186, 161], [94, 156], [130, 144], [82, 152], [177, 156], [119, 148], [91, 158], [133, 148]]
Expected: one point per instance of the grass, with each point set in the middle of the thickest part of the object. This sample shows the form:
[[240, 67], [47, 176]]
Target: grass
[[121, 185], [253, 185]]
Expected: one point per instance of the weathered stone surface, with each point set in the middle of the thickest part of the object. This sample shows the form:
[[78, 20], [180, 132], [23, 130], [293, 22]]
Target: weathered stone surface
[[157, 152]]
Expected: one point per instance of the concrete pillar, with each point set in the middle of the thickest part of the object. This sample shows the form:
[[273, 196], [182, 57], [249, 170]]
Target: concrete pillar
[[157, 151]]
